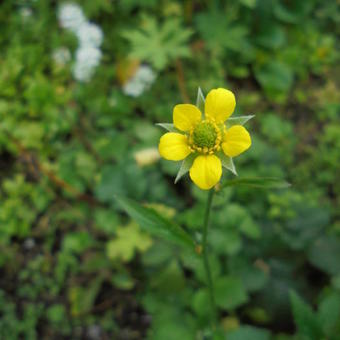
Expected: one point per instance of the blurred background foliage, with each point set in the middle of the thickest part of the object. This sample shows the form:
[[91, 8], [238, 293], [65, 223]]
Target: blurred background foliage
[[73, 265]]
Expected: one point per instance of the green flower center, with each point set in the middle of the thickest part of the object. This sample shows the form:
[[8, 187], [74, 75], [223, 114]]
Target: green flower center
[[204, 135]]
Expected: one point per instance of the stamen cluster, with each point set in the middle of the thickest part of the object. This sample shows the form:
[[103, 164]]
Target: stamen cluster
[[205, 137]]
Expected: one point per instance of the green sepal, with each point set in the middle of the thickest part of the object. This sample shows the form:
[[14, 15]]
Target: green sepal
[[227, 162], [167, 126], [185, 166], [238, 120], [200, 101], [154, 223]]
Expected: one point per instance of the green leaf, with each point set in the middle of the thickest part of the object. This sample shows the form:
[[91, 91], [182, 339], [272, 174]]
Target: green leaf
[[201, 303], [253, 278], [129, 239], [220, 31], [277, 129], [249, 333], [171, 322], [249, 228], [225, 241], [194, 262], [305, 319], [157, 255], [324, 254], [271, 36], [159, 43], [292, 12], [56, 313], [285, 14], [329, 314], [123, 281], [274, 77], [336, 282], [170, 279], [258, 182], [125, 178], [106, 220], [146, 132], [77, 242], [229, 292], [248, 3], [82, 298], [156, 224]]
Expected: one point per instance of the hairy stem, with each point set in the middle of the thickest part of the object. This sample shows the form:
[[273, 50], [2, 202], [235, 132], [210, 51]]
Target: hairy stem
[[205, 256]]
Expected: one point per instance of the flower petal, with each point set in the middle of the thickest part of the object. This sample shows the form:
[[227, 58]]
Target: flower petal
[[186, 116], [236, 140], [174, 146], [219, 104], [206, 171]]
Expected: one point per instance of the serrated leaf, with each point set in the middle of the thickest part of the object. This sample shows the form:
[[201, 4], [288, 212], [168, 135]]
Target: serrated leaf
[[200, 101], [258, 182], [240, 120], [159, 43], [185, 167], [227, 162], [305, 319], [154, 223], [128, 240], [167, 126]]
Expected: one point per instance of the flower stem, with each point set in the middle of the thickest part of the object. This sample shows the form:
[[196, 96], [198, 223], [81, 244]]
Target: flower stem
[[205, 256]]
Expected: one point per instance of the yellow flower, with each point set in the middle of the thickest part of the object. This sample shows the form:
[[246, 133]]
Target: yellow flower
[[205, 144]]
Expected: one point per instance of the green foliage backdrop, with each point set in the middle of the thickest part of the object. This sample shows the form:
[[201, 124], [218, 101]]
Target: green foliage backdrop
[[77, 144]]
